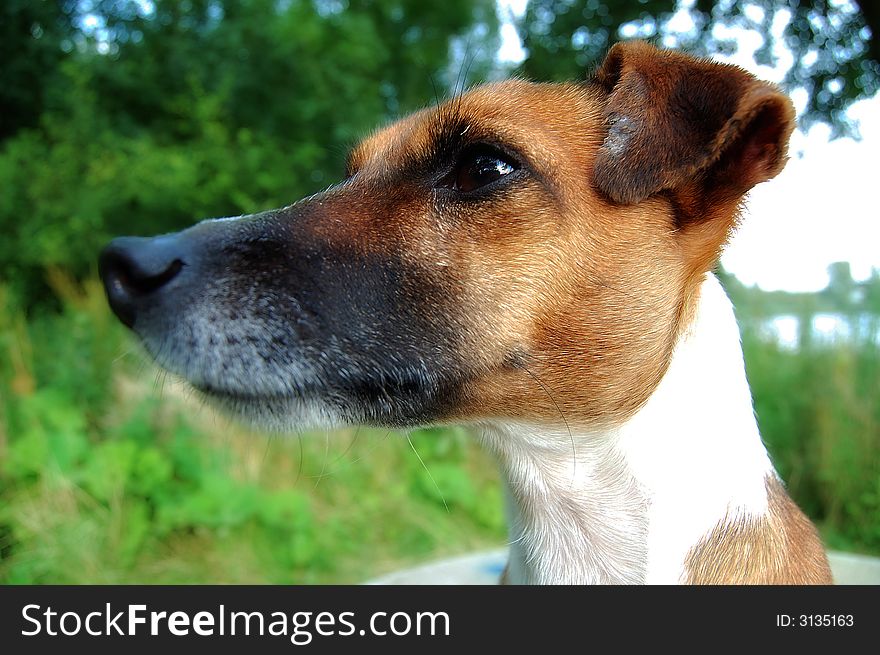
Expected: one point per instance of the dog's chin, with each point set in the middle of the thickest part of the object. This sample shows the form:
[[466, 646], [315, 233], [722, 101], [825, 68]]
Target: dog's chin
[[283, 397], [288, 412], [296, 394]]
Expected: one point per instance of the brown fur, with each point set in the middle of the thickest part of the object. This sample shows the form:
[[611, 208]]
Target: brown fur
[[655, 140], [553, 273], [781, 548], [647, 162]]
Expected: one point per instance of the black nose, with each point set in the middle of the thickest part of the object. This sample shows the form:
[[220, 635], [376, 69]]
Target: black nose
[[135, 269]]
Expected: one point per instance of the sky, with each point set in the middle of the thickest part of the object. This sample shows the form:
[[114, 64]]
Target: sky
[[819, 210]]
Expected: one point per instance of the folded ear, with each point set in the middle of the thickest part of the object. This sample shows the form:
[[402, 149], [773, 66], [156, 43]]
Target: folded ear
[[674, 120]]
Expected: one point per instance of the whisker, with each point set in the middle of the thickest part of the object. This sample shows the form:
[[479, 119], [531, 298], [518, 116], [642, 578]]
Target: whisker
[[358, 459], [461, 69], [350, 444], [434, 87], [467, 72], [461, 83], [299, 440], [162, 385], [564, 420], [442, 497], [123, 355], [269, 438], [326, 456]]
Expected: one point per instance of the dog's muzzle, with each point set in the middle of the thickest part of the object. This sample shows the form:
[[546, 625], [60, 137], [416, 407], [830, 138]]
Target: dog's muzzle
[[275, 320]]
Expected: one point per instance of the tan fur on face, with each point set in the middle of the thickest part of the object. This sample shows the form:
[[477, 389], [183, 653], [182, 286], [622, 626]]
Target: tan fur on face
[[574, 283], [551, 273], [780, 548]]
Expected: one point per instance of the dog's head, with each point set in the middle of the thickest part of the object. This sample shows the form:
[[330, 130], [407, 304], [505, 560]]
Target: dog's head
[[521, 251]]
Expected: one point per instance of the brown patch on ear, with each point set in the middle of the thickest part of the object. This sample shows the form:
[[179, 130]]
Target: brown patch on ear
[[757, 144], [781, 548], [673, 118]]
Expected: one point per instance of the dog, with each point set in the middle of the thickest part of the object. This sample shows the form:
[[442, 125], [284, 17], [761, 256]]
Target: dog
[[533, 260]]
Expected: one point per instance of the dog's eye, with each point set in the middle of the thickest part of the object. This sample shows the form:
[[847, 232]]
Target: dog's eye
[[480, 167]]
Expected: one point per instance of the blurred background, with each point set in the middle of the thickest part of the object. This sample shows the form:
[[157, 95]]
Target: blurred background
[[144, 116]]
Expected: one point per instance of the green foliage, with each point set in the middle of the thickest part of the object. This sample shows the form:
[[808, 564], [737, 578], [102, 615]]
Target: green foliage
[[198, 109], [34, 39], [819, 414], [834, 45], [104, 478], [817, 401]]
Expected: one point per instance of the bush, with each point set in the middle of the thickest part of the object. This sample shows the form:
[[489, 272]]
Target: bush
[[104, 479], [819, 414]]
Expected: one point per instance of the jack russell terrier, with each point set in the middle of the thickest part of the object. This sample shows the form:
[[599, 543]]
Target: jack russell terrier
[[533, 260]]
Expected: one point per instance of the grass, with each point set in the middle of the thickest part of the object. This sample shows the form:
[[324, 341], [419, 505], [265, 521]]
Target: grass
[[111, 474], [819, 412]]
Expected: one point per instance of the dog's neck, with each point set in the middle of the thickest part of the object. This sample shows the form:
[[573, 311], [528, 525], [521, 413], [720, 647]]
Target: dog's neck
[[628, 504]]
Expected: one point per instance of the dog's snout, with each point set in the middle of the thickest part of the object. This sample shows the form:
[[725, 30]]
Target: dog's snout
[[134, 269]]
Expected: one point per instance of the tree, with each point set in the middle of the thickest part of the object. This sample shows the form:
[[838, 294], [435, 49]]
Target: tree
[[126, 117], [833, 42], [35, 37]]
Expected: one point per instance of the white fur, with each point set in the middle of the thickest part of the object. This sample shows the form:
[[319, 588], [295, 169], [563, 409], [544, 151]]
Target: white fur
[[626, 504]]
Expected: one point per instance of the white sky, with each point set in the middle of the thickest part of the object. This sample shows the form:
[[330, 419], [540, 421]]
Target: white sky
[[820, 209]]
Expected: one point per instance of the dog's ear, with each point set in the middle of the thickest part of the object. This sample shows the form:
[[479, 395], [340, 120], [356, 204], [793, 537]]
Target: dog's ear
[[674, 121]]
